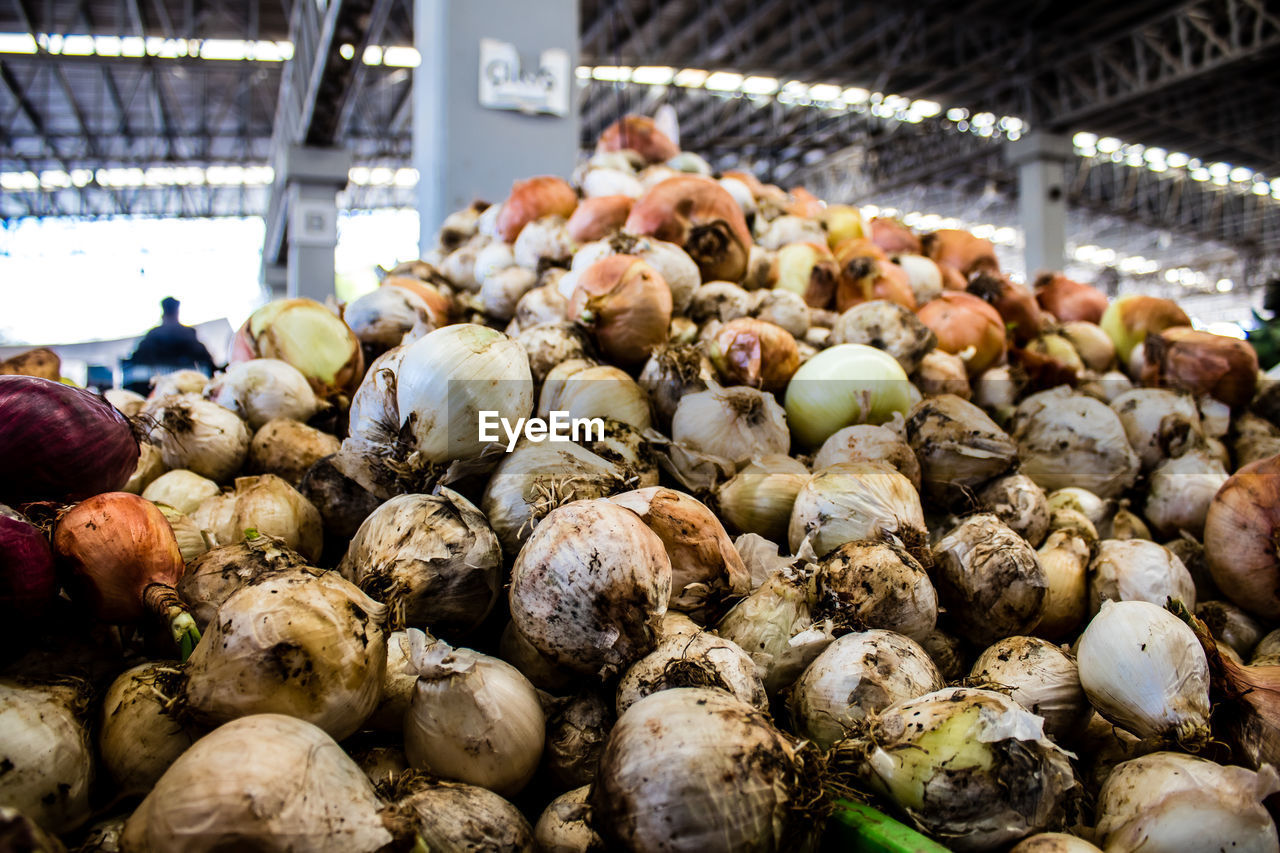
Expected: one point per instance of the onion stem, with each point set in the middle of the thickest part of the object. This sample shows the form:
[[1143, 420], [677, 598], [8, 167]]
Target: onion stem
[[163, 601]]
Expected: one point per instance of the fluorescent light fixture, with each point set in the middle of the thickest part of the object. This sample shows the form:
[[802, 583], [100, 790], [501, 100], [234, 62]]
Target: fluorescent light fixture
[[984, 119], [757, 85], [582, 72], [1200, 174], [17, 43], [612, 73], [855, 95], [723, 81], [957, 114], [691, 78], [1177, 159], [1005, 236], [824, 92], [925, 109], [1220, 169], [224, 49], [1171, 276], [347, 51], [653, 75], [1225, 285], [1084, 139], [1240, 174], [1109, 144], [77, 46], [1011, 123], [870, 211], [401, 57], [373, 56]]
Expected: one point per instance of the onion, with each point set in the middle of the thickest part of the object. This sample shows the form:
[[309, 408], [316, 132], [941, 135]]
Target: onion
[[1013, 301], [1144, 670], [381, 317], [760, 496], [1053, 842], [27, 579], [543, 242], [565, 825], [1064, 557], [584, 390], [705, 567], [968, 327], [432, 559], [294, 643], [943, 373], [60, 443], [735, 423], [192, 541], [265, 782], [958, 446], [752, 352], [672, 263], [784, 309], [48, 757], [601, 182], [450, 816], [1231, 627], [140, 738], [894, 237], [971, 766], [501, 292], [1240, 538], [181, 489], [696, 660], [1159, 424], [200, 436], [694, 769], [1067, 439], [923, 276], [627, 306], [1129, 319], [1016, 500], [720, 300], [473, 718], [1166, 801], [1181, 490], [535, 479], [212, 577], [577, 729], [789, 229], [671, 373], [428, 289], [866, 273], [989, 579], [855, 677], [857, 500], [126, 562], [960, 250], [1070, 301], [844, 385], [459, 266], [150, 466], [875, 584], [343, 503], [288, 449], [1041, 678], [532, 664], [808, 270], [531, 200], [129, 403], [601, 621], [1138, 570], [1202, 363], [639, 134], [844, 222], [775, 627], [702, 218], [178, 382], [308, 336], [886, 326], [1092, 344], [267, 505], [867, 443], [996, 391], [596, 218]]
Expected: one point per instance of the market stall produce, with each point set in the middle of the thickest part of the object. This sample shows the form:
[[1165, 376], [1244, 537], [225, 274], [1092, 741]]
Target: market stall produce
[[655, 510]]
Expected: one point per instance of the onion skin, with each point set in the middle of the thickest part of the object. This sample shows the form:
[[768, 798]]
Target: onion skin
[[627, 305], [1014, 303], [535, 198], [701, 217], [60, 443], [866, 273], [597, 218], [267, 334], [1069, 300], [27, 579], [894, 237], [961, 251], [438, 306], [1202, 363], [1129, 320], [752, 352], [1242, 538], [641, 135], [961, 321]]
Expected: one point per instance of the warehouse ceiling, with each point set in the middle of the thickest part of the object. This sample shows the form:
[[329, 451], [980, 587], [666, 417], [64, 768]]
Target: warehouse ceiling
[[169, 106]]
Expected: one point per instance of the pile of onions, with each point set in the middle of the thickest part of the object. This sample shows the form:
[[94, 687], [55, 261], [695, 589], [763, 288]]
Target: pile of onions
[[432, 559], [857, 500], [1202, 363], [1068, 300], [747, 351], [886, 326], [452, 816], [1012, 301], [1240, 538], [472, 718], [1016, 500], [291, 642], [626, 305], [533, 199], [1129, 319], [598, 622], [968, 327], [27, 579], [1159, 424], [989, 579], [308, 336], [670, 261], [200, 436], [126, 563], [735, 423], [381, 317], [268, 506], [254, 782], [843, 385], [701, 217], [639, 134], [868, 443], [288, 449], [60, 443]]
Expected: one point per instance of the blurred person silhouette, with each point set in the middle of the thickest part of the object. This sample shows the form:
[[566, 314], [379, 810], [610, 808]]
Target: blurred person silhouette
[[166, 348]]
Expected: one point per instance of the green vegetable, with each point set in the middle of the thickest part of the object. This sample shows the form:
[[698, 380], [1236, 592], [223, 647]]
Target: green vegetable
[[857, 828]]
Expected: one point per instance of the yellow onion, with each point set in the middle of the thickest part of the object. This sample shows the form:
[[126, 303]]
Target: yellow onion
[[586, 390], [192, 541], [1202, 363], [961, 251], [671, 372], [857, 500], [597, 217], [626, 305], [267, 505], [1064, 556], [893, 236], [1069, 301], [968, 327], [533, 199], [1091, 343], [701, 217], [844, 385], [672, 263], [639, 134], [808, 270], [752, 352], [760, 496], [1129, 319], [1240, 538], [308, 336], [866, 273], [844, 222]]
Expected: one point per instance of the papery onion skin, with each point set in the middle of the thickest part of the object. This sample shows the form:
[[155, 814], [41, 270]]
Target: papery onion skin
[[1067, 439], [894, 237], [868, 443], [1202, 363], [1138, 570], [858, 500], [700, 216], [597, 218], [1242, 538], [212, 577], [736, 423], [752, 352], [533, 199], [200, 436], [1068, 300], [139, 739], [700, 659], [958, 446], [639, 134], [1013, 301], [307, 335], [962, 322], [626, 304], [60, 443], [807, 269], [1129, 319], [27, 579], [1043, 679], [454, 816]]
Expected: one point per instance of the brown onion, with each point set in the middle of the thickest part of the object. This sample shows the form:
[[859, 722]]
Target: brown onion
[[597, 218], [641, 135], [701, 217], [963, 322], [752, 352], [1129, 320], [866, 273], [439, 308], [535, 198], [626, 304], [1068, 300], [807, 269], [961, 251], [1242, 535], [894, 237], [1013, 301], [1202, 363]]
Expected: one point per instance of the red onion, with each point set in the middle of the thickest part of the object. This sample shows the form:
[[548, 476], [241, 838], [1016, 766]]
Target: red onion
[[597, 218], [126, 562], [701, 217], [27, 581], [60, 443], [639, 134], [533, 199], [1069, 300]]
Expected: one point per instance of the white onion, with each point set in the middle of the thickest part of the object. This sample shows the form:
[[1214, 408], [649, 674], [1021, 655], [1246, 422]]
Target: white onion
[[199, 435], [761, 495], [773, 626], [602, 182], [451, 816], [139, 737], [472, 718], [790, 229], [1065, 560], [857, 500], [128, 402], [212, 577], [501, 292], [565, 825], [1180, 491], [1138, 570], [989, 579], [697, 660], [1042, 678], [594, 391], [868, 443], [46, 752], [1067, 439], [1159, 424], [192, 541], [268, 505], [736, 424], [398, 682], [1017, 501], [577, 728], [857, 675], [289, 449], [784, 309], [181, 489], [876, 584], [923, 275], [381, 317], [150, 467], [958, 446], [886, 326]]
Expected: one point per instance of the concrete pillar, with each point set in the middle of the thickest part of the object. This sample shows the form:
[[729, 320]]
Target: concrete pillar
[[1042, 199], [465, 151], [313, 177]]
